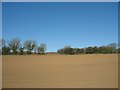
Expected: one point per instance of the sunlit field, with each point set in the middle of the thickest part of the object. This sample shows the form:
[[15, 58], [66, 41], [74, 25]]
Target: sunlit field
[[60, 71]]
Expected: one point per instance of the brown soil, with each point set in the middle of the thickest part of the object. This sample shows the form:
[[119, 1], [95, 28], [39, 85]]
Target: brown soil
[[60, 71]]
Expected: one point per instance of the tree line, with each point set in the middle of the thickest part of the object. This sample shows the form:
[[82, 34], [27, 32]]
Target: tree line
[[15, 47], [108, 49]]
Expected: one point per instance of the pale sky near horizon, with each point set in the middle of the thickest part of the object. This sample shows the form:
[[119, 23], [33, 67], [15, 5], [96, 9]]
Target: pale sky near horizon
[[61, 24]]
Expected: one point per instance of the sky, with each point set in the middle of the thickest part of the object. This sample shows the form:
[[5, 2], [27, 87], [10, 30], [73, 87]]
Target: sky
[[62, 23], [0, 20]]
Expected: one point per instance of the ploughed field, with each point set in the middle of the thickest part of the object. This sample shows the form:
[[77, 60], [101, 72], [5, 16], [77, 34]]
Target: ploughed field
[[60, 71]]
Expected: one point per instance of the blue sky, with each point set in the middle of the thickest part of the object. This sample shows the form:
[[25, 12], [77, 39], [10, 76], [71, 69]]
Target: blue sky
[[61, 24]]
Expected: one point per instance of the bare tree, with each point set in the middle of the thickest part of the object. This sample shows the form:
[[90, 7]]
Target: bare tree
[[113, 45], [2, 44], [42, 49], [14, 45], [30, 45]]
